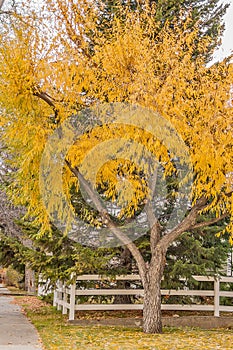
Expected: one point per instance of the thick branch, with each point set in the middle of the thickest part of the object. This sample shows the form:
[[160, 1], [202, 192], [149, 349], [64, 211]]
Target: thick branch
[[229, 194], [109, 223], [1, 3], [153, 221], [155, 233], [48, 99], [88, 189], [6, 12], [155, 226], [210, 222], [148, 208], [188, 222], [44, 97]]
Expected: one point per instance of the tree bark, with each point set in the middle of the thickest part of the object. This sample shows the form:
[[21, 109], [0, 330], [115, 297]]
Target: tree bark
[[29, 280], [152, 316], [150, 273], [1, 3]]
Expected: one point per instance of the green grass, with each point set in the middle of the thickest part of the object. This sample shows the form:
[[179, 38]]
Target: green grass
[[56, 333]]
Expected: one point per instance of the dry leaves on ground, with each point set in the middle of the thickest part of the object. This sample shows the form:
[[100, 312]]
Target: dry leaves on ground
[[32, 303], [57, 334]]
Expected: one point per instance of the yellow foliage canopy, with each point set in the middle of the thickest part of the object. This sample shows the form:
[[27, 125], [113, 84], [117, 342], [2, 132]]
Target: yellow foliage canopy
[[50, 72]]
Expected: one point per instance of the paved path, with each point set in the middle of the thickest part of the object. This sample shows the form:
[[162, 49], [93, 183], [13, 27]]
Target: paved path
[[16, 332]]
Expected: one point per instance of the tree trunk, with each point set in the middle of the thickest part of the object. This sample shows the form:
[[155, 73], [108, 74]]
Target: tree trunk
[[152, 317], [29, 280]]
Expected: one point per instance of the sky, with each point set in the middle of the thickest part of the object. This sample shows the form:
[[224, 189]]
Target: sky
[[227, 41]]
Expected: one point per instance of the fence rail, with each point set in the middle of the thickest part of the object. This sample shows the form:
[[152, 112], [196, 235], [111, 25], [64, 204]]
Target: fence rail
[[66, 298]]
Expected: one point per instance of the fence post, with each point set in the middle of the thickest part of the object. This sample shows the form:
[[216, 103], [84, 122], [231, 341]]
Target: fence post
[[216, 296], [40, 285], [64, 307], [72, 301], [59, 294], [55, 296]]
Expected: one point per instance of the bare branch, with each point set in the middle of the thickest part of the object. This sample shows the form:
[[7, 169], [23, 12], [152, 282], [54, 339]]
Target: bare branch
[[148, 208], [210, 222], [188, 222], [48, 99], [153, 221], [229, 194], [3, 12], [155, 233], [155, 226], [44, 97], [1, 3], [9, 214], [88, 189], [109, 223]]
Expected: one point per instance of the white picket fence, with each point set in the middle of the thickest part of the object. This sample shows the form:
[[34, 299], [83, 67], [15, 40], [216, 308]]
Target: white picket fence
[[66, 296]]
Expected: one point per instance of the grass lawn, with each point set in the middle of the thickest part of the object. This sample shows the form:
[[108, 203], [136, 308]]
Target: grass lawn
[[56, 333]]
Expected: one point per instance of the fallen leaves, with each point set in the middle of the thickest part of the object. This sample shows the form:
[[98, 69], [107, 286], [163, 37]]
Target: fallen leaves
[[32, 303], [56, 334]]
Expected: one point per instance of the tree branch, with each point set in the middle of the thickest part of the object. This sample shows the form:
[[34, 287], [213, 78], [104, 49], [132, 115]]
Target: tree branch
[[1, 3], [186, 224], [153, 221], [210, 222], [48, 99], [45, 97], [2, 12], [229, 194], [109, 223]]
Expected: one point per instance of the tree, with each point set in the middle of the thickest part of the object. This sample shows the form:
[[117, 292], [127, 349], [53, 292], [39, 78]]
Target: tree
[[208, 14], [49, 73], [195, 253]]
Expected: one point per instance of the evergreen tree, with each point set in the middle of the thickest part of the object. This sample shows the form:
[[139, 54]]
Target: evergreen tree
[[199, 252], [208, 13]]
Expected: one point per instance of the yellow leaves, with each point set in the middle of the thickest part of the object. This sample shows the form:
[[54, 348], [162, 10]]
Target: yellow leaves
[[78, 63], [57, 334], [113, 170]]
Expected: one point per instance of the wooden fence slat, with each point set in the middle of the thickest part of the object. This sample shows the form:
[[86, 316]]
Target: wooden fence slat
[[225, 308], [63, 292], [226, 294], [106, 278], [72, 302], [226, 279], [59, 296], [181, 292], [110, 292], [175, 307], [102, 307], [65, 297], [83, 292], [187, 307], [212, 279], [216, 297]]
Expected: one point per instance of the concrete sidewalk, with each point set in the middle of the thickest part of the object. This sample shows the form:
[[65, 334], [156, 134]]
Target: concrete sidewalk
[[16, 332]]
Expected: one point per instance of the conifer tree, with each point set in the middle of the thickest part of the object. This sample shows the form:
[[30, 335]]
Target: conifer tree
[[208, 14]]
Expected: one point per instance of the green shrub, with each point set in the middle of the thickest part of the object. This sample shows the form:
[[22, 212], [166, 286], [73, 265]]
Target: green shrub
[[13, 277]]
